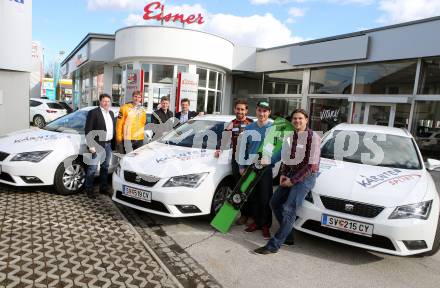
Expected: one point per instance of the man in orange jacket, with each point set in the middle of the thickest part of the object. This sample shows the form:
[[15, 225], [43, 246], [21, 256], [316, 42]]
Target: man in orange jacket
[[130, 125]]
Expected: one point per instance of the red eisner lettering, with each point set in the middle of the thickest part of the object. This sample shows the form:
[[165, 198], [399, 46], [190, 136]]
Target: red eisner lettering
[[155, 10]]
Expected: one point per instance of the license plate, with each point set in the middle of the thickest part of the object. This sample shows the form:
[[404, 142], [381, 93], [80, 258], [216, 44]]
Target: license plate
[[137, 193], [351, 226]]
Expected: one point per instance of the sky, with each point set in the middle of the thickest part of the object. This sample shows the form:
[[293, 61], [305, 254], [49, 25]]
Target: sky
[[60, 25]]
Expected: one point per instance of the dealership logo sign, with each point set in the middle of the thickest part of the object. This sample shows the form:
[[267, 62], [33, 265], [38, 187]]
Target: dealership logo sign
[[155, 11]]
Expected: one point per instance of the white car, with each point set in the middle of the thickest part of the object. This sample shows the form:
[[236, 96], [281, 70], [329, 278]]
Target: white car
[[48, 156], [173, 176], [43, 111], [376, 195]]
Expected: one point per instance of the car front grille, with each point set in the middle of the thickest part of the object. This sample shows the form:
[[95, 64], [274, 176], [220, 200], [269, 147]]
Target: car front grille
[[374, 241], [153, 205], [144, 180], [351, 207], [3, 155]]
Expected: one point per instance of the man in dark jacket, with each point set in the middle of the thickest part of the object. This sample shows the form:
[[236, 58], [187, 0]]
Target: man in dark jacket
[[163, 114], [185, 114], [100, 132]]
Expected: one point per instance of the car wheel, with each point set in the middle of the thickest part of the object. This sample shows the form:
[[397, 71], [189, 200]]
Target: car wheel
[[70, 179], [220, 194], [39, 121], [436, 245]]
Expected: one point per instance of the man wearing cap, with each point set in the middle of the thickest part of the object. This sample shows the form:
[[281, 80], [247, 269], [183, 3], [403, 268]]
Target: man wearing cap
[[259, 199]]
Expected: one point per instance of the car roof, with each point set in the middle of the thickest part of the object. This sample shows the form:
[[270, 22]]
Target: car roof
[[374, 129], [218, 117]]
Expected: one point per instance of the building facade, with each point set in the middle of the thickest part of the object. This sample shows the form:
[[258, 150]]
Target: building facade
[[385, 76], [15, 64]]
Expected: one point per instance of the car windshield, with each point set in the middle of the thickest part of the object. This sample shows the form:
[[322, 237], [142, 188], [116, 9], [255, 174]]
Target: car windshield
[[372, 149], [75, 121], [205, 134]]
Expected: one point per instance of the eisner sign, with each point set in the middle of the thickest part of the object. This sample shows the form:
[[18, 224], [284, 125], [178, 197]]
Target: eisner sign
[[155, 10]]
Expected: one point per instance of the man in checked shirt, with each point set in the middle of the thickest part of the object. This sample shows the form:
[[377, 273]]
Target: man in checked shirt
[[298, 176]]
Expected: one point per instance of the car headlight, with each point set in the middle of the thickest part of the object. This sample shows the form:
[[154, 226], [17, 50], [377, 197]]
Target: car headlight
[[190, 180], [419, 210], [35, 156], [118, 170]]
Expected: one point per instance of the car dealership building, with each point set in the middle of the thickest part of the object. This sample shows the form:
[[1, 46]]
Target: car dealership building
[[387, 76]]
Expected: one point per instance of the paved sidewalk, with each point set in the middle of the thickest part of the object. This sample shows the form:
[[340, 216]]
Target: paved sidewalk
[[48, 240]]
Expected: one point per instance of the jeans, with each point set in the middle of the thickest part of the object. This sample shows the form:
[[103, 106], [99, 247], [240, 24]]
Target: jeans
[[103, 173], [284, 203]]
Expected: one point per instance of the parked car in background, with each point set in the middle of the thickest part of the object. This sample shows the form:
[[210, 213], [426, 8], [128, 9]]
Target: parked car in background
[[52, 155], [379, 196], [43, 111]]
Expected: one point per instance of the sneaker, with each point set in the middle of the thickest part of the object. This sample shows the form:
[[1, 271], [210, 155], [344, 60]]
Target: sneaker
[[266, 232], [251, 227], [263, 251], [242, 220]]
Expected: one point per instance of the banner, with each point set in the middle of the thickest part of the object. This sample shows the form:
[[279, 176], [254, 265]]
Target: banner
[[132, 83], [187, 87]]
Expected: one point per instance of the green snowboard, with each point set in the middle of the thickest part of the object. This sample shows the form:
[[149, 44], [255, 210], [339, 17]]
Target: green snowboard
[[271, 145]]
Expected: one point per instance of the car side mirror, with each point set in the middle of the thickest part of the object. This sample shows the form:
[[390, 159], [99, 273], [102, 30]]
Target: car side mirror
[[433, 165]]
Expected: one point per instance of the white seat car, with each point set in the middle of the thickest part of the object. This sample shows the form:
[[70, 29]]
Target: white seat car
[[373, 191], [48, 156], [178, 175], [43, 111]]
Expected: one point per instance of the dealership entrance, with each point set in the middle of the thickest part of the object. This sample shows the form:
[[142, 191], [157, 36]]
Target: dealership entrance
[[385, 114]]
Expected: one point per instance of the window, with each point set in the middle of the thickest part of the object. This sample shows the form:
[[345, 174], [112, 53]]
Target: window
[[242, 86], [163, 73], [327, 113], [426, 127], [284, 82], [212, 79], [34, 103], [202, 77], [211, 99], [386, 78], [52, 105], [116, 84], [210, 91], [332, 80], [430, 76], [146, 70], [282, 107], [201, 100]]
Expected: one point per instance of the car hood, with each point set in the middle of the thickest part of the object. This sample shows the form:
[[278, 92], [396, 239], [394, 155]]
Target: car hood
[[163, 160], [35, 139], [388, 187]]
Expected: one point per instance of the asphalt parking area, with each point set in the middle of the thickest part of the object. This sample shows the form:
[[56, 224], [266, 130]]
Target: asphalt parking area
[[47, 240]]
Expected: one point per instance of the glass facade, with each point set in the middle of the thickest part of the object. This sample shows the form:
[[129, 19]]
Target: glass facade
[[426, 127], [386, 78], [331, 80], [429, 82], [286, 82], [327, 113]]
